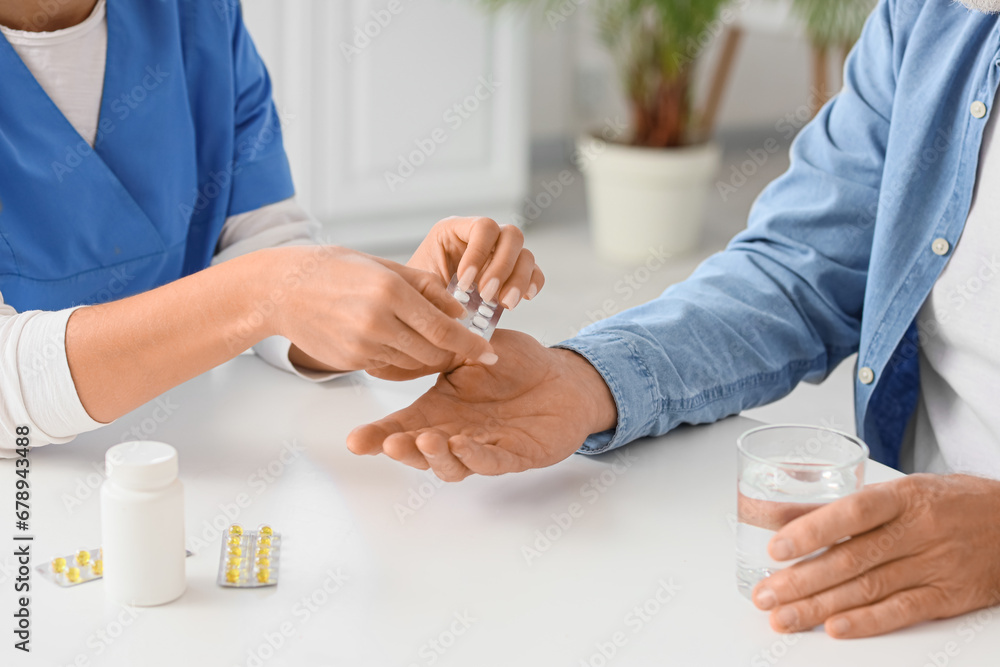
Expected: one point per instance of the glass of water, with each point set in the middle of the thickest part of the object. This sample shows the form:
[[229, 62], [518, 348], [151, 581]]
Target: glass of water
[[786, 471]]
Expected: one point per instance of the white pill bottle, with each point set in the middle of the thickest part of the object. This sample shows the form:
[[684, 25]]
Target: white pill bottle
[[142, 525]]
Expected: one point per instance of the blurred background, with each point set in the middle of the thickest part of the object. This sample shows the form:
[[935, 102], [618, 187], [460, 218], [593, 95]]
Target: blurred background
[[398, 113]]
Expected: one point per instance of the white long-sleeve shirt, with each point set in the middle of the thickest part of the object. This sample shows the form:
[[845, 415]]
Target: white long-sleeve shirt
[[36, 387]]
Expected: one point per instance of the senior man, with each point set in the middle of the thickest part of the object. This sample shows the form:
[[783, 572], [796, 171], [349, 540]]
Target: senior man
[[882, 239]]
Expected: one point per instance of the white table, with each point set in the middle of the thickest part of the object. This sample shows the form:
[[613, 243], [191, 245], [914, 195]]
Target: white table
[[667, 517]]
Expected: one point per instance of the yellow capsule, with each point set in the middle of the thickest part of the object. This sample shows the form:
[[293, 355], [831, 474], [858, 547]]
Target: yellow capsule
[[58, 565], [263, 576], [265, 530], [232, 576], [73, 575], [233, 564], [97, 567], [264, 562], [235, 540], [235, 529], [263, 552], [82, 557], [264, 541], [235, 551]]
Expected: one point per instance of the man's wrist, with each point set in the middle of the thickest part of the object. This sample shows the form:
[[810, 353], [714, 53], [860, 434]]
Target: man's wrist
[[599, 408]]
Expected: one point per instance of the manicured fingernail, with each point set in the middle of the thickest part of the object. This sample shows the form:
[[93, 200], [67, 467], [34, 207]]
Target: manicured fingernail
[[781, 550], [512, 298], [787, 618], [490, 289], [488, 359], [840, 626], [765, 599], [532, 291], [465, 280]]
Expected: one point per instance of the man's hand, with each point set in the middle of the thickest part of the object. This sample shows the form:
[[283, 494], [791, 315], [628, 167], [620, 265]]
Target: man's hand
[[922, 547], [532, 409]]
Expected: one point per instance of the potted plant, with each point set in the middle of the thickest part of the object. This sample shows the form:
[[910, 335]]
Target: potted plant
[[647, 190]]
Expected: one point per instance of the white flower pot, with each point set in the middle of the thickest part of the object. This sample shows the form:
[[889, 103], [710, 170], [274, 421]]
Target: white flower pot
[[645, 199]]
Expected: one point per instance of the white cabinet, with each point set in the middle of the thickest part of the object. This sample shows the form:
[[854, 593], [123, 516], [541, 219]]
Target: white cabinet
[[398, 112]]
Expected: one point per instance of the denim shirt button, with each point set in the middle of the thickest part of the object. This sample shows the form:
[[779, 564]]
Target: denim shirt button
[[866, 375], [941, 247], [978, 109]]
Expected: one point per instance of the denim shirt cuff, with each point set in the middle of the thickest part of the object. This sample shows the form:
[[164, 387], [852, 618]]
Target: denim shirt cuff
[[631, 382]]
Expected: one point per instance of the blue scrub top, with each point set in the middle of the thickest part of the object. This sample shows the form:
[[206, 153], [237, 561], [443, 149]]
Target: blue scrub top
[[188, 135]]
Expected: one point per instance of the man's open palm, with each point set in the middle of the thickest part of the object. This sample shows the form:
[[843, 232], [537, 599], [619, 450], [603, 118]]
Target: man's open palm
[[532, 409]]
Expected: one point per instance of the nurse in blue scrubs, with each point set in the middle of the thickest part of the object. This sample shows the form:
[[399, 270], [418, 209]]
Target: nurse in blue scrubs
[[140, 147]]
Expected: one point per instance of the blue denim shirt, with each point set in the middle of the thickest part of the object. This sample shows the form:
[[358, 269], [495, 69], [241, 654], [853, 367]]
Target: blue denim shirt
[[839, 254]]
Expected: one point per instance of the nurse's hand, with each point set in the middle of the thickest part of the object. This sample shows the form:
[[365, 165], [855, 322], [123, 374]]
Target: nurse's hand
[[351, 311], [532, 409], [480, 251], [921, 547]]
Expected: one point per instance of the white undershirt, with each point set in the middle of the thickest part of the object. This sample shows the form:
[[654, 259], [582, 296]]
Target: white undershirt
[[36, 387], [69, 65], [957, 425]]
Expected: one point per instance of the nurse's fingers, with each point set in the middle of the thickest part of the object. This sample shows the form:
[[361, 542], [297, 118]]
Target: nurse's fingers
[[397, 374], [505, 255], [414, 350], [431, 286], [403, 448], [442, 330], [433, 444], [480, 236], [446, 333], [535, 284], [520, 280]]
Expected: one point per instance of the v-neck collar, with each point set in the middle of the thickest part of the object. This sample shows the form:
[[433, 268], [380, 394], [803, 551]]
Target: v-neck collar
[[33, 90]]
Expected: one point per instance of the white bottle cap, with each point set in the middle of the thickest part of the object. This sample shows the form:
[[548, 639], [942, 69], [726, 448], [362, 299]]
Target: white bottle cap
[[141, 466]]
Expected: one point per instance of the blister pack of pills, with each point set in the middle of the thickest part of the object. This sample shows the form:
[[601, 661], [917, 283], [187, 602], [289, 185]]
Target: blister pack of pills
[[250, 558], [481, 317], [74, 569], [77, 568]]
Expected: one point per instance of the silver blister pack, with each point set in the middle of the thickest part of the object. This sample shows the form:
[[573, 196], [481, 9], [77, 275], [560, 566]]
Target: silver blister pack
[[481, 317], [249, 558]]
